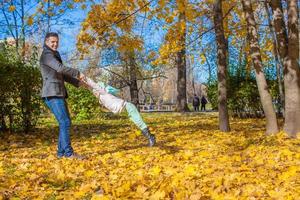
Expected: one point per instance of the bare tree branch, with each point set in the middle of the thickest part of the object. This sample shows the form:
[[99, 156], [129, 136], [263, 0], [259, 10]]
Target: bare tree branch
[[7, 23]]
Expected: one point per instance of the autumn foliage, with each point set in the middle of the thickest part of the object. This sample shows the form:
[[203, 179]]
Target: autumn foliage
[[252, 45], [191, 161]]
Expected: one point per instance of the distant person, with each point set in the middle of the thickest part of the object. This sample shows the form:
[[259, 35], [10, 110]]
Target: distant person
[[54, 93], [159, 104], [151, 107], [203, 103], [196, 102]]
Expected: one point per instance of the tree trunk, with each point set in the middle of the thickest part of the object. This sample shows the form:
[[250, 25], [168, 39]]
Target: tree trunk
[[289, 53], [134, 93], [222, 67], [3, 126], [181, 104], [265, 97], [280, 30], [292, 73], [209, 67], [278, 62]]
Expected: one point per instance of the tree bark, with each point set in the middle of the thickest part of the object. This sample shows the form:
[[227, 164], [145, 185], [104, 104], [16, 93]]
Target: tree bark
[[288, 46], [134, 93], [181, 104], [222, 67], [209, 67], [265, 97], [3, 126], [280, 29], [278, 61], [292, 73]]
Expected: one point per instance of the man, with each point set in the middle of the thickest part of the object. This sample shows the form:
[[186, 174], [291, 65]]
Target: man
[[54, 93], [196, 102], [203, 103]]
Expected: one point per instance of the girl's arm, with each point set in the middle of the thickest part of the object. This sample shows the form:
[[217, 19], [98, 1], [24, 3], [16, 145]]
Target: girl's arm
[[93, 86]]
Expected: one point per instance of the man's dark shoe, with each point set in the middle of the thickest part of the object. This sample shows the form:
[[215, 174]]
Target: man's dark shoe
[[151, 137], [77, 156]]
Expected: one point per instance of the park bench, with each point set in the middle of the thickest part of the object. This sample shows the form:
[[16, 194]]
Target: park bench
[[157, 108]]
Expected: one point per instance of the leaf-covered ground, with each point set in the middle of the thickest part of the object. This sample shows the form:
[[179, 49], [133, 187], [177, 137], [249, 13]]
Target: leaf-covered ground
[[191, 161]]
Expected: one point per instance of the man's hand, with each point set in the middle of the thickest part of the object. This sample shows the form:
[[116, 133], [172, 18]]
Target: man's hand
[[82, 77], [83, 81], [84, 85]]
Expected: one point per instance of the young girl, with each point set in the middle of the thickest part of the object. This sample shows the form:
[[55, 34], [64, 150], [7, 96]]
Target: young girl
[[117, 105]]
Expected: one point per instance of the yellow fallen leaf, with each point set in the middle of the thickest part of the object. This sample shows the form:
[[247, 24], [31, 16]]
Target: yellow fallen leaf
[[90, 173], [155, 170], [158, 195]]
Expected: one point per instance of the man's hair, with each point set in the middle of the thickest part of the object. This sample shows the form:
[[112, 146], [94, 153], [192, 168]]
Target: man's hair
[[50, 34]]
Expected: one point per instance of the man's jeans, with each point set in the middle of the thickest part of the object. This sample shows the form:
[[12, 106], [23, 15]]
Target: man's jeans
[[58, 107]]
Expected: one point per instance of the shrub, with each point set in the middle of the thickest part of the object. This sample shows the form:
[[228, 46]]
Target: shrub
[[82, 103], [20, 83]]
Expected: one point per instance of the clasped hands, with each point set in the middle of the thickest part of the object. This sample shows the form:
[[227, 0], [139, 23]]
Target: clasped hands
[[83, 81], [102, 86]]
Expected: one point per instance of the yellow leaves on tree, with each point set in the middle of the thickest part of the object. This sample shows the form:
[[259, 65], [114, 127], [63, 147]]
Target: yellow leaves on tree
[[11, 8], [107, 23], [191, 13], [70, 6], [83, 6], [30, 20], [84, 40], [173, 43], [176, 16], [57, 2], [228, 19], [202, 59], [127, 44], [162, 3], [181, 5], [79, 1]]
